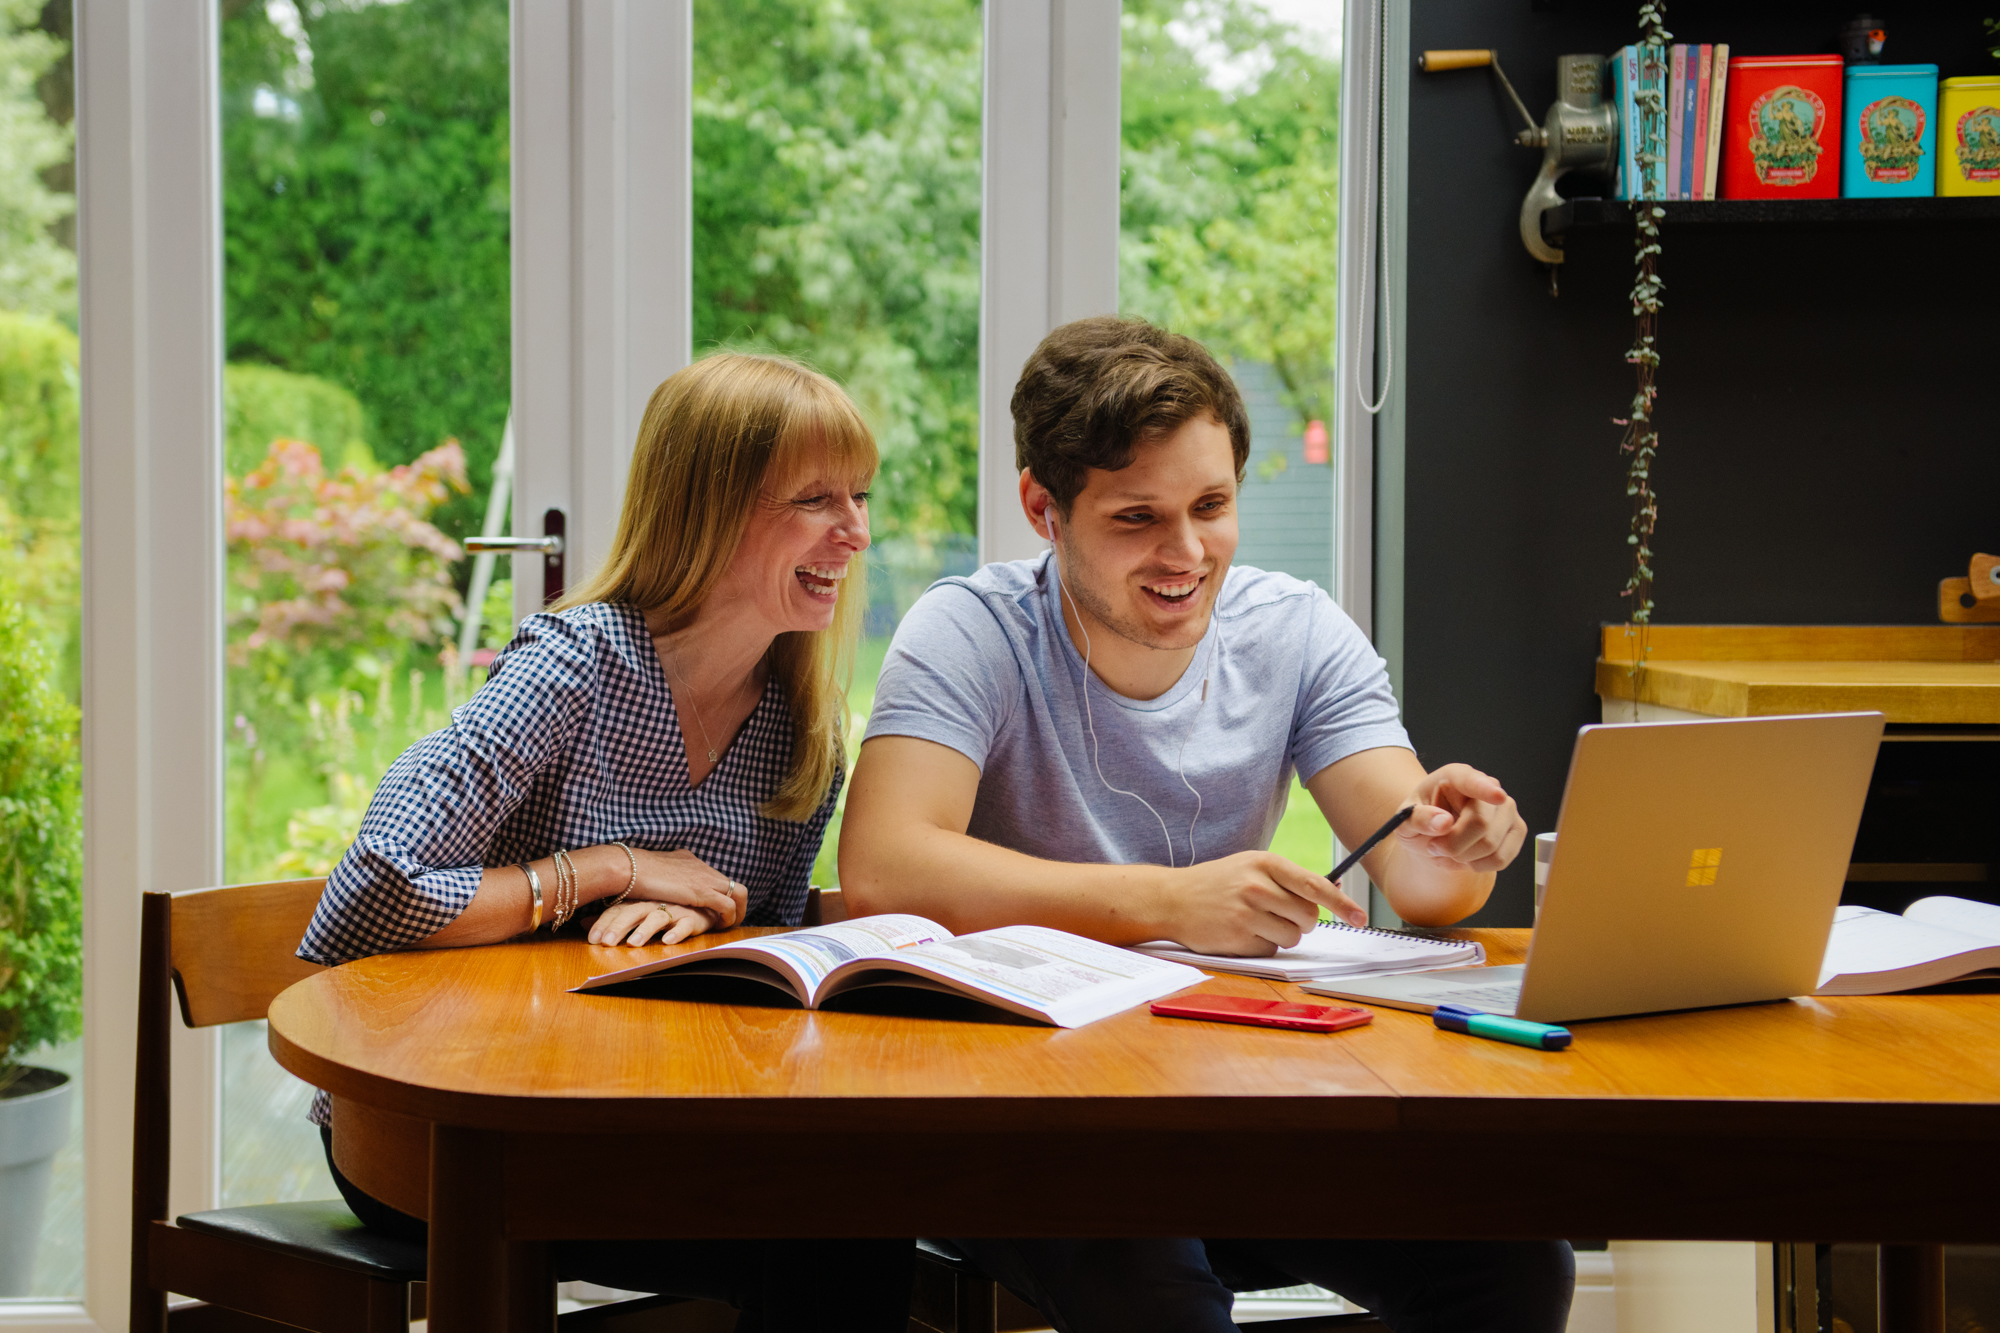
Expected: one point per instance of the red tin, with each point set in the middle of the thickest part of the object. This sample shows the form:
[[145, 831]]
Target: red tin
[[1782, 121]]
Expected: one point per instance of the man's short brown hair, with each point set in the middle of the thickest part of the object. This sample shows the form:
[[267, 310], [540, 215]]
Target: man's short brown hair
[[1098, 388]]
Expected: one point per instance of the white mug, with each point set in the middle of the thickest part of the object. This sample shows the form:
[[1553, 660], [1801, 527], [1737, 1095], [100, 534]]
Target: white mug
[[1545, 853]]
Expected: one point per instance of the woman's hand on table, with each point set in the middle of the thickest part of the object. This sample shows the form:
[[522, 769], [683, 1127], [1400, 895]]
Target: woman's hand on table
[[676, 896]]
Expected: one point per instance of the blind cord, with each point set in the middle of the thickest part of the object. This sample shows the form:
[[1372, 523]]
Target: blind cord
[[1378, 135]]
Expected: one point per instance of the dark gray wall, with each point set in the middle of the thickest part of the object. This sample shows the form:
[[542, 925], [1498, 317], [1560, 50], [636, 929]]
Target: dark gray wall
[[1827, 436]]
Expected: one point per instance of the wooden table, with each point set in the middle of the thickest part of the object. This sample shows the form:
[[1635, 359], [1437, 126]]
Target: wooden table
[[471, 1089]]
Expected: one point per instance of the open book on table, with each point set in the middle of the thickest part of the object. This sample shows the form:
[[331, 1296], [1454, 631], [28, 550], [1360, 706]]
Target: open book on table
[[1934, 940], [1041, 973], [1335, 949]]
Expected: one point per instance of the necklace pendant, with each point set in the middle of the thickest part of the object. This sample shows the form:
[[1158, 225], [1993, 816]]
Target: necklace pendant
[[711, 756]]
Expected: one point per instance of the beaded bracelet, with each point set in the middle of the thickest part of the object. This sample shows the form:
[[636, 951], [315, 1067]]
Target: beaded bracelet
[[633, 861]]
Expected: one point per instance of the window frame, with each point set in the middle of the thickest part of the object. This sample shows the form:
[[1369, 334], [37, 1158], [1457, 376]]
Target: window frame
[[601, 306]]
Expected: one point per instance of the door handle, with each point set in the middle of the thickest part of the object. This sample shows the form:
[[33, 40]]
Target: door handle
[[549, 545]]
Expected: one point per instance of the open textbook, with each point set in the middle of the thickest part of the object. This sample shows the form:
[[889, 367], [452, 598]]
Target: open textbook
[[1336, 950], [1047, 974], [1934, 940]]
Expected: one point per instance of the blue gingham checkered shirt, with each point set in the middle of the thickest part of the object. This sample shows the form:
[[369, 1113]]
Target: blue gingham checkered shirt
[[572, 742]]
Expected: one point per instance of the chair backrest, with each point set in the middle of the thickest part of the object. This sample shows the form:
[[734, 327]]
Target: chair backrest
[[228, 952], [823, 907], [235, 948]]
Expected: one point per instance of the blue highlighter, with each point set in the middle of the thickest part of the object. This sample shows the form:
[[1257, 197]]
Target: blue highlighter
[[1493, 1027]]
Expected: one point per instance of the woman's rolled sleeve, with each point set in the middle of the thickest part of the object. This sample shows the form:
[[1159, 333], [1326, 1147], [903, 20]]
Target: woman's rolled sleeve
[[418, 858]]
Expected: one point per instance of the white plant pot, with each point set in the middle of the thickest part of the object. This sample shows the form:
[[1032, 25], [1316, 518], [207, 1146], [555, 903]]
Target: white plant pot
[[34, 1125]]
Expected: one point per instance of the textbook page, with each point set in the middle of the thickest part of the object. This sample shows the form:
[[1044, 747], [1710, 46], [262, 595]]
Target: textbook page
[[801, 959], [1981, 919], [1053, 975], [1335, 950], [1880, 953]]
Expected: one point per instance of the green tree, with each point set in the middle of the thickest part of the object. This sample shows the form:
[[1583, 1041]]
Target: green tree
[[836, 198], [366, 214], [36, 273], [1229, 196]]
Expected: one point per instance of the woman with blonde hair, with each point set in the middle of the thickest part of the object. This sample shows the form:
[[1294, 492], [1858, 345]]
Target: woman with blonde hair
[[658, 754]]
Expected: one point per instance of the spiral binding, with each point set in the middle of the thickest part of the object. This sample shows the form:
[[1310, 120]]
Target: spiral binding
[[1366, 930]]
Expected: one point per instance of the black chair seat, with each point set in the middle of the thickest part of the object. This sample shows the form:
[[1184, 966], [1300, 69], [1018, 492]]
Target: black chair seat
[[323, 1231]]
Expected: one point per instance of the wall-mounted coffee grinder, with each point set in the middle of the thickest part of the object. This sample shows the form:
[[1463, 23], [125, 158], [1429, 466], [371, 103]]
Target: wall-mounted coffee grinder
[[1580, 132]]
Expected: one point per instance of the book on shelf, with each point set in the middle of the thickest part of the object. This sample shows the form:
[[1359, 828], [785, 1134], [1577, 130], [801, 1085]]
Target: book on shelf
[[1690, 99], [1718, 88], [1934, 940], [1676, 117], [1691, 80], [1033, 971], [1624, 80], [1336, 950], [1653, 89]]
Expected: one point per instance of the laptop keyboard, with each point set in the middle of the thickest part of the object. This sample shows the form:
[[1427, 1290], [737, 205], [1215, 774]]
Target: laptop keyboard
[[1501, 999]]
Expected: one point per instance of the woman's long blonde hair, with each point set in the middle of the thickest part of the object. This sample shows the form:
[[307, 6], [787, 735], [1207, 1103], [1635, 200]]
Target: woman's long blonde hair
[[714, 434]]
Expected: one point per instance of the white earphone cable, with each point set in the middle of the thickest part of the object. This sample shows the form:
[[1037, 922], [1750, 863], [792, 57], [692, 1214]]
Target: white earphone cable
[[1090, 723]]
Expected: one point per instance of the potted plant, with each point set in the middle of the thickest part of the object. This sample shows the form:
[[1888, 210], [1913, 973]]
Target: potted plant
[[41, 930]]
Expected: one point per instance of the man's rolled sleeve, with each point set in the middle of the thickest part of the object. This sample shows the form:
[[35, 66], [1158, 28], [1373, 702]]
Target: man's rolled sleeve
[[1345, 704], [950, 676]]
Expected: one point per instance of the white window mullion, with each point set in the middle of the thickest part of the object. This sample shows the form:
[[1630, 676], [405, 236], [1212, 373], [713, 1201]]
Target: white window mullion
[[150, 244], [602, 254], [1048, 215], [1371, 100]]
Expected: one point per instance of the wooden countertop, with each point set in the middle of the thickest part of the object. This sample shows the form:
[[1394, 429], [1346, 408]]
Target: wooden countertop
[[1935, 674]]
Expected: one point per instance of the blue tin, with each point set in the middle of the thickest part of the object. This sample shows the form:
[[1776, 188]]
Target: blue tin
[[1889, 149]]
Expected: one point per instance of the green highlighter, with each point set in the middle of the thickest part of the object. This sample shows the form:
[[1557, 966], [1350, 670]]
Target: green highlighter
[[1541, 1036]]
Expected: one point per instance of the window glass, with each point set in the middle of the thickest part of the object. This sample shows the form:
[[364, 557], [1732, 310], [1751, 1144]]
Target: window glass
[[41, 1056], [836, 219], [1230, 161], [366, 254]]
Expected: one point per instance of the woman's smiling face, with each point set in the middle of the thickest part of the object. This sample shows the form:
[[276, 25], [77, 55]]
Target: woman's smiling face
[[803, 533]]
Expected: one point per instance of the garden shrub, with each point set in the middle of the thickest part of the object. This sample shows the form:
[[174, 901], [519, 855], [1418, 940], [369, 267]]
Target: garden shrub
[[263, 403], [41, 848], [40, 526]]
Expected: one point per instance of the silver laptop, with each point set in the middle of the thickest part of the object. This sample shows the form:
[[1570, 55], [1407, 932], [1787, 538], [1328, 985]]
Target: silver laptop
[[1696, 863]]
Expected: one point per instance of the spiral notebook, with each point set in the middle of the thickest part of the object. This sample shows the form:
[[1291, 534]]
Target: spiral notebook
[[1335, 950]]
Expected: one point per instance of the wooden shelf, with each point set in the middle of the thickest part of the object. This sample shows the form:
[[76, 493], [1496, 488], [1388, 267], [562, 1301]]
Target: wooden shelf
[[1601, 214], [1915, 674]]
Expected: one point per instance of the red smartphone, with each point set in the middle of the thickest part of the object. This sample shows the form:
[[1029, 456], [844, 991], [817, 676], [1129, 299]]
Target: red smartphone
[[1263, 1013]]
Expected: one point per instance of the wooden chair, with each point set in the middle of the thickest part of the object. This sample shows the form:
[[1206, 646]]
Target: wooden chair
[[228, 952]]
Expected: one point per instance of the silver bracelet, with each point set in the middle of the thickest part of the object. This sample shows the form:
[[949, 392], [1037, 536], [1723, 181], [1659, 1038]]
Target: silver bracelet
[[534, 893], [633, 861]]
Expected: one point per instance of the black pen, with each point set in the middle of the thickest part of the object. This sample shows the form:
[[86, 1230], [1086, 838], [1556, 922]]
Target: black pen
[[1395, 822]]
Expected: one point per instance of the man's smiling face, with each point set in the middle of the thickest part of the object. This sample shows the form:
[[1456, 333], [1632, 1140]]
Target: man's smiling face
[[1144, 549]]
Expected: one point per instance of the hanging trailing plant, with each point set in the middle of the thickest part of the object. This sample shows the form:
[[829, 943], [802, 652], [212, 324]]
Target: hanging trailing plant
[[1641, 442]]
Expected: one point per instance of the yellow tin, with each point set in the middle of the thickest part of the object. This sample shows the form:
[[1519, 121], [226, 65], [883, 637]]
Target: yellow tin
[[1969, 135]]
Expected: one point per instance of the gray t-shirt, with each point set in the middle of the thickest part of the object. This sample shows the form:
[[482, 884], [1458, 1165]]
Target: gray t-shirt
[[983, 664]]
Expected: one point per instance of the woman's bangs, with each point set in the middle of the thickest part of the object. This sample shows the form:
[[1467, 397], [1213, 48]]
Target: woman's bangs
[[823, 434]]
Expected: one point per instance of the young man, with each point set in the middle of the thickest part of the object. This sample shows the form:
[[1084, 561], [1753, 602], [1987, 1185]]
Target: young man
[[1102, 740]]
